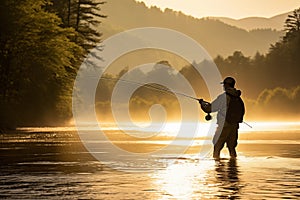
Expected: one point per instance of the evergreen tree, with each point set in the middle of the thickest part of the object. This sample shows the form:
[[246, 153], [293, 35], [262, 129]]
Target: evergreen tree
[[82, 15], [292, 25], [283, 60], [35, 53]]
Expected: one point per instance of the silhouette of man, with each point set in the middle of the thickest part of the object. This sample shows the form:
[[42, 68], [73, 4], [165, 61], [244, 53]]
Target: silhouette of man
[[230, 108]]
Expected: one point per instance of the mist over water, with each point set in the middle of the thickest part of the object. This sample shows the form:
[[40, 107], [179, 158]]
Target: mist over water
[[38, 163]]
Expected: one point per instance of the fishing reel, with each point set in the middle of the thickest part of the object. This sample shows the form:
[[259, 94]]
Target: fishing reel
[[204, 106], [208, 117]]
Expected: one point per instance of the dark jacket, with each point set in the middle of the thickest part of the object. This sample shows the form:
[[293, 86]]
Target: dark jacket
[[220, 104]]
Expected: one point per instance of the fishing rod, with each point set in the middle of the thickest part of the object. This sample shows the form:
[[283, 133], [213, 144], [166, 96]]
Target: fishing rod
[[152, 87], [207, 117], [247, 124]]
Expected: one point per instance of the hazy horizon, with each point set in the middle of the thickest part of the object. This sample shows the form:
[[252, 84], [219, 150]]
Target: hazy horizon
[[229, 8]]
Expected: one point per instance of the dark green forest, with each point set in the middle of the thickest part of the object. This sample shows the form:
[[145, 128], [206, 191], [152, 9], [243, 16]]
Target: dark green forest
[[43, 43]]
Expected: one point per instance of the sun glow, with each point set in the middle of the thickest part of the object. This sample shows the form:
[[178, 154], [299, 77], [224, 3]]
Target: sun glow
[[270, 126], [181, 179], [170, 128], [227, 8]]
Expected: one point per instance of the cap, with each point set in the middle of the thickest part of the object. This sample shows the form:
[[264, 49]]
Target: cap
[[229, 80]]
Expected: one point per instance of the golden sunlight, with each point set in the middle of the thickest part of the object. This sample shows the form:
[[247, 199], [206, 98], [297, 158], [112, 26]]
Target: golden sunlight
[[182, 179], [227, 8]]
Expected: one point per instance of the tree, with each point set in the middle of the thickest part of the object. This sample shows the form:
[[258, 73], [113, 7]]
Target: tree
[[36, 52], [283, 58], [82, 15], [292, 25]]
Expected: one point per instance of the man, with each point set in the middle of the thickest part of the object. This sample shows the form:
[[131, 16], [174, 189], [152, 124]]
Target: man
[[231, 110]]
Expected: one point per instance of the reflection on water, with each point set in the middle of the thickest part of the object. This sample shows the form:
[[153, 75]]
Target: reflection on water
[[183, 179], [227, 175], [190, 179], [55, 165]]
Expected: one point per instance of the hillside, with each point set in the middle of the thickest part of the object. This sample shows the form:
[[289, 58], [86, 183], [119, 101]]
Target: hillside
[[217, 37], [250, 23]]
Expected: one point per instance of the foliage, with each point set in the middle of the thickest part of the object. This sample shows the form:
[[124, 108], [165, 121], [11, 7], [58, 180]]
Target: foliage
[[42, 43], [39, 57], [82, 15], [278, 68]]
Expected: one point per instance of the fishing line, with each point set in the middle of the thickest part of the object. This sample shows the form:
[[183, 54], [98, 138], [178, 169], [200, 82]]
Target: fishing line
[[167, 91], [151, 87]]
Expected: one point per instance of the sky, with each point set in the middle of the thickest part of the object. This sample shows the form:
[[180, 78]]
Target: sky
[[236, 9]]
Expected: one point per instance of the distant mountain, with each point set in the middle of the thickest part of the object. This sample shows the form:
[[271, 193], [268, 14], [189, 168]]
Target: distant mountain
[[217, 37], [250, 23]]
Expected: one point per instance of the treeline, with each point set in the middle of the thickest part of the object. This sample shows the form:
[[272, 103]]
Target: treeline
[[42, 43], [280, 67], [214, 35], [270, 82]]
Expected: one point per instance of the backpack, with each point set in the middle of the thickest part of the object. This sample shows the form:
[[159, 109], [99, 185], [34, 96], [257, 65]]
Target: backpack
[[235, 111]]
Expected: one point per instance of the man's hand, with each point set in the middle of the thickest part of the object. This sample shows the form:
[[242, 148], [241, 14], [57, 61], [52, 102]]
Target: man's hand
[[205, 106], [200, 101]]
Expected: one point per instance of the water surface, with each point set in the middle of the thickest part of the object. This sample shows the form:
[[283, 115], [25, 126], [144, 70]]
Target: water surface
[[52, 163]]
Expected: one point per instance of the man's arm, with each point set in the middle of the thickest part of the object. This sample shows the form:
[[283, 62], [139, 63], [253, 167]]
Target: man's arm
[[211, 107], [205, 106]]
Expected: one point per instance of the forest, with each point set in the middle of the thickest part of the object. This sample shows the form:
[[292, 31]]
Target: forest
[[43, 43], [269, 82], [217, 37]]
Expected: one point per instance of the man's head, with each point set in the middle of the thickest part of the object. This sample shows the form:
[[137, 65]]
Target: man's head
[[228, 82]]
